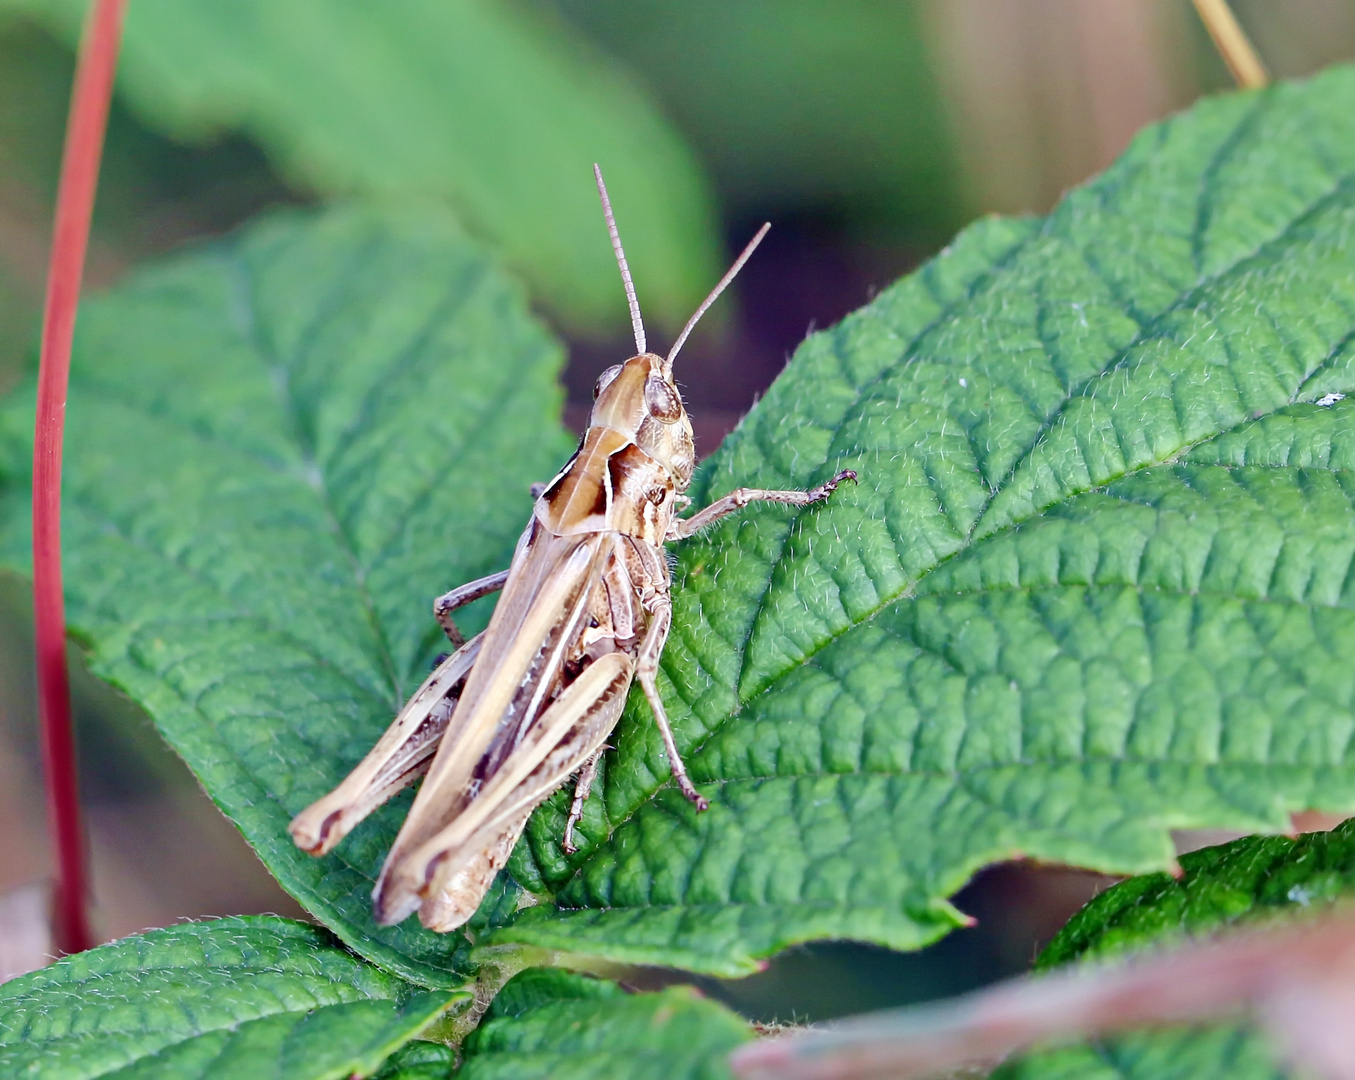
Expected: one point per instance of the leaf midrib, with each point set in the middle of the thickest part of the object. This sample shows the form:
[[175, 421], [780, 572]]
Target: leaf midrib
[[254, 332], [1045, 427], [230, 611]]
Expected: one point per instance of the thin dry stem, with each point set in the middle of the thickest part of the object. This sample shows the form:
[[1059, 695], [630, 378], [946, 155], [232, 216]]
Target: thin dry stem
[[1231, 41]]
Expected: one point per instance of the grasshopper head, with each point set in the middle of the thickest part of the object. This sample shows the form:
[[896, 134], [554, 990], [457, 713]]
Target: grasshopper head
[[640, 399]]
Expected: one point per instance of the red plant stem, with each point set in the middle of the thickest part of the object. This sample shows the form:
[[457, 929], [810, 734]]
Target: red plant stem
[[70, 237]]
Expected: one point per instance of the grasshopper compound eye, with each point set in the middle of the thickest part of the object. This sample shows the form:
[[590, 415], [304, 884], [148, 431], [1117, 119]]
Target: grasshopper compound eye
[[662, 401], [605, 379]]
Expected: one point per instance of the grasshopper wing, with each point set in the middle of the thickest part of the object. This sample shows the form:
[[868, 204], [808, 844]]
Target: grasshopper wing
[[567, 733], [535, 627], [402, 755]]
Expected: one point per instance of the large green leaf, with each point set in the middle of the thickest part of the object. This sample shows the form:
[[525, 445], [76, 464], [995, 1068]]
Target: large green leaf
[[1255, 877], [552, 1025], [243, 997], [280, 449], [485, 104], [1094, 585]]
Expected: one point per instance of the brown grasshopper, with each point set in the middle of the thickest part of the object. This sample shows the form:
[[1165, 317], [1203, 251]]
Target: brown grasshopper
[[585, 609]]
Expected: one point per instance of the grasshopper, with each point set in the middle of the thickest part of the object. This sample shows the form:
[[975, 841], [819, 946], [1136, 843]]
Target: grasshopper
[[585, 610]]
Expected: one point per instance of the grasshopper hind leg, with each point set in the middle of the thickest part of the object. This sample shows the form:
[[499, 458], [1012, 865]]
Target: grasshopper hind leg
[[648, 574], [458, 897], [400, 757]]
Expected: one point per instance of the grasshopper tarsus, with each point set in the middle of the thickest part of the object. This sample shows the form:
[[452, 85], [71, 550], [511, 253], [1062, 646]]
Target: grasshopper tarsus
[[439, 660], [827, 488]]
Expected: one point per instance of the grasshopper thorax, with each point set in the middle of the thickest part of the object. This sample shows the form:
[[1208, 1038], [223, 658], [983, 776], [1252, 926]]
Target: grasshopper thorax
[[635, 458]]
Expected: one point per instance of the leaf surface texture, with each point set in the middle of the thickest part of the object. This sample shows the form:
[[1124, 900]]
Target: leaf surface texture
[[281, 449], [220, 1000]]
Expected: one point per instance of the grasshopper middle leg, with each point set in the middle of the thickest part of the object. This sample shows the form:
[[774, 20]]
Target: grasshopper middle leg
[[646, 668], [582, 786], [462, 595]]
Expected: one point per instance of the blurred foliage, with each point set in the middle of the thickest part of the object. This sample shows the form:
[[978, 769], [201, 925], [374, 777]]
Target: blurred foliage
[[499, 111], [143, 178], [798, 105], [153, 193], [1251, 878], [1293, 39]]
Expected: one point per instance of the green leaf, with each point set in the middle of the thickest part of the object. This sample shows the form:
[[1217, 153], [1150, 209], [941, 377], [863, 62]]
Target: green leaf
[[489, 106], [257, 996], [419, 1060], [1255, 877], [1095, 583], [1223, 1052], [556, 1025], [280, 449], [1252, 878]]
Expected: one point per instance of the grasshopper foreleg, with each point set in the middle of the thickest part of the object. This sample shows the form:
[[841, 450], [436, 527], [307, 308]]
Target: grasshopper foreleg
[[582, 786], [462, 595], [737, 500]]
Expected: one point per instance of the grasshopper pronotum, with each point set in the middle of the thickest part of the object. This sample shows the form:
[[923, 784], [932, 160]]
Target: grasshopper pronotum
[[585, 609]]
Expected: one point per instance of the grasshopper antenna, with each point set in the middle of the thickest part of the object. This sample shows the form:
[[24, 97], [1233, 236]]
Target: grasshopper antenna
[[636, 323], [714, 295]]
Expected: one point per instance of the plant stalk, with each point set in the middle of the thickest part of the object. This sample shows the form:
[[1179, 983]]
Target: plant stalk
[[1233, 44], [90, 97]]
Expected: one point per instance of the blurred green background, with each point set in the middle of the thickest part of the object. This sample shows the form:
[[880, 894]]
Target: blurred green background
[[866, 131]]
